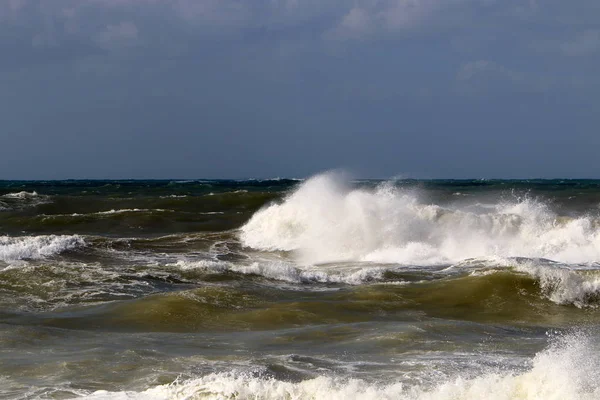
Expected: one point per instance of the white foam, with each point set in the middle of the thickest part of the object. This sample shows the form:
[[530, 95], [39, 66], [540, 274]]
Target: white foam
[[130, 210], [568, 369], [324, 220], [287, 272], [565, 286], [20, 195], [108, 212], [36, 247]]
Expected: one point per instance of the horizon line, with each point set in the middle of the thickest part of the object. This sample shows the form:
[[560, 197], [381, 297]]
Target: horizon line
[[189, 180]]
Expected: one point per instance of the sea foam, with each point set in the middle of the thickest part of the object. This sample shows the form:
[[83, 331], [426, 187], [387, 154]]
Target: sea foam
[[36, 247], [564, 285], [287, 272], [20, 195], [326, 220], [568, 369]]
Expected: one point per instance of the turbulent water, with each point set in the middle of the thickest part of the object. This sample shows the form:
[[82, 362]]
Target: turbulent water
[[326, 288]]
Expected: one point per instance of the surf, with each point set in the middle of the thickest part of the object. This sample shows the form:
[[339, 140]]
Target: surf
[[37, 247], [327, 219], [566, 369]]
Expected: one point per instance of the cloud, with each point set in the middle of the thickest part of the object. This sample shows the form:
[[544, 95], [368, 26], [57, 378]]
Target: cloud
[[585, 43], [474, 70], [329, 19], [372, 17], [355, 23], [11, 6], [332, 17], [574, 43], [262, 33], [488, 76], [124, 34]]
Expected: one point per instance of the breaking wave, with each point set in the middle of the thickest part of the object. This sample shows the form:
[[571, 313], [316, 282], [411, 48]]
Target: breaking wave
[[564, 285], [568, 369], [36, 247], [20, 195], [20, 200], [325, 220], [287, 272]]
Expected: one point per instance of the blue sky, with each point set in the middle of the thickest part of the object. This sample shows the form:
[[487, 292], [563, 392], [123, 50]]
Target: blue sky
[[265, 88]]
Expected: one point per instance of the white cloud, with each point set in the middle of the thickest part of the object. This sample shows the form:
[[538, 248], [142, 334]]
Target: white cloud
[[401, 14], [354, 24], [389, 17]]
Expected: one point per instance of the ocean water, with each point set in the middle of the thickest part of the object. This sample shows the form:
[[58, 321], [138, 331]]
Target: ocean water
[[325, 288]]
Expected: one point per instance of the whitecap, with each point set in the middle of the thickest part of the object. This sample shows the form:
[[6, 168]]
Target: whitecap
[[326, 220], [568, 369], [37, 247]]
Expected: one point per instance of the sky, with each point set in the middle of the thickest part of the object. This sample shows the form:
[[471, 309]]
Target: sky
[[287, 88]]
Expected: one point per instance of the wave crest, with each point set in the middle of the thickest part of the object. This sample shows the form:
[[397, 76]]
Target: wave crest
[[37, 247], [324, 220], [565, 286], [567, 369], [20, 195]]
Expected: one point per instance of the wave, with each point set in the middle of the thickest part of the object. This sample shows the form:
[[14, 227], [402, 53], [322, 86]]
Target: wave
[[507, 279], [20, 195], [287, 272], [108, 213], [122, 211], [23, 199], [37, 247], [326, 220], [567, 369], [565, 286]]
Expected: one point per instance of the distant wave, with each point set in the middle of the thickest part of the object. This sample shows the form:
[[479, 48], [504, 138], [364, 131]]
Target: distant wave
[[23, 199], [327, 220], [20, 195], [127, 210], [108, 213]]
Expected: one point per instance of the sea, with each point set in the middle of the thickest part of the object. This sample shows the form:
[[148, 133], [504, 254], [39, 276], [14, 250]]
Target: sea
[[321, 288]]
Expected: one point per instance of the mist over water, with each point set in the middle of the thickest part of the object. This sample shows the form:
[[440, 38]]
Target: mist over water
[[319, 289]]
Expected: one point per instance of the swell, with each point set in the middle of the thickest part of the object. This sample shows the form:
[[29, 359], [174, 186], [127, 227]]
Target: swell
[[136, 214], [220, 296]]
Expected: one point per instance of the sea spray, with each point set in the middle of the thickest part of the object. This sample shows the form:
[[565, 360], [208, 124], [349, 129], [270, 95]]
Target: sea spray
[[326, 220]]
